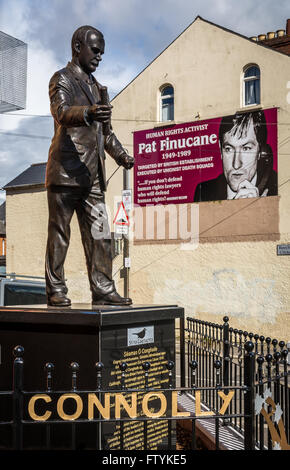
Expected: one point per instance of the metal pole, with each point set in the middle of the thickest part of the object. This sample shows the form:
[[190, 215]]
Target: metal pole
[[182, 352], [249, 398], [226, 351], [226, 358], [126, 254], [18, 353]]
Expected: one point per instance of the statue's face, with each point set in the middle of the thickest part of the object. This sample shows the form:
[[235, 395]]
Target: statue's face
[[90, 53]]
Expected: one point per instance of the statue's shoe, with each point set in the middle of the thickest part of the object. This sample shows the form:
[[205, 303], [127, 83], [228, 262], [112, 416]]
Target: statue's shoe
[[58, 299], [113, 298]]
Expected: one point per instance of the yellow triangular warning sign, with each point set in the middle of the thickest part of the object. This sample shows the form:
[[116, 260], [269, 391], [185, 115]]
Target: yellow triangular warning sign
[[121, 218]]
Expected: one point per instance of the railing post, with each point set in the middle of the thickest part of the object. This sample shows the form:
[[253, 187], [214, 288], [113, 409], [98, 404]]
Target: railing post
[[182, 351], [226, 351], [260, 361], [284, 354], [249, 398], [99, 439], [49, 370], [123, 366], [18, 353], [170, 366], [193, 365], [269, 358], [146, 367], [226, 357], [74, 366], [217, 366]]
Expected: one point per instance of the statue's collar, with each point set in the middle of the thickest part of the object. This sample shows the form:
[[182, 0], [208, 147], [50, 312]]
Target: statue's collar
[[80, 74]]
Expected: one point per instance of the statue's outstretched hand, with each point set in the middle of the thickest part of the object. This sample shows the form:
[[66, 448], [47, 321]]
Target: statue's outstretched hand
[[126, 161], [99, 112]]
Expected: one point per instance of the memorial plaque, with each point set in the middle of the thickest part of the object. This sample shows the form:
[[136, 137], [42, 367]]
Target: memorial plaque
[[135, 346]]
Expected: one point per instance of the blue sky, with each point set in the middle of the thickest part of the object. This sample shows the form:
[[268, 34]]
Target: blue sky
[[135, 31]]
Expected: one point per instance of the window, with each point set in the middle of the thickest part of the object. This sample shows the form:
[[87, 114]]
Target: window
[[167, 103], [251, 84]]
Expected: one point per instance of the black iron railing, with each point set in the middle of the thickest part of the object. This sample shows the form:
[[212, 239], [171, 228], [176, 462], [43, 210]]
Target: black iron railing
[[27, 414], [207, 342], [218, 365]]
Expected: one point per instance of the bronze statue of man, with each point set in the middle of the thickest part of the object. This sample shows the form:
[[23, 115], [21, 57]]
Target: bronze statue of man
[[75, 174]]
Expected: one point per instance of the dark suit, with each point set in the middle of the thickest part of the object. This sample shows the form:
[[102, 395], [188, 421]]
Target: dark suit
[[76, 180], [216, 189]]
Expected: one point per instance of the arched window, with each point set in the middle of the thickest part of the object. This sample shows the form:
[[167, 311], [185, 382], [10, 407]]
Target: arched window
[[251, 84], [167, 103]]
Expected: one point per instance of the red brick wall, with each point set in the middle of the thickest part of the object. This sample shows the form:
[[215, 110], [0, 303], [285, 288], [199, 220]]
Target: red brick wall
[[281, 45]]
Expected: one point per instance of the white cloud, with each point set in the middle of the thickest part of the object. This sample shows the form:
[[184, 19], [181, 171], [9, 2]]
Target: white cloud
[[116, 78], [41, 66]]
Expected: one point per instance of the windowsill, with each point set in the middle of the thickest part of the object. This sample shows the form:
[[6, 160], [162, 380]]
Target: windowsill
[[250, 107], [164, 124]]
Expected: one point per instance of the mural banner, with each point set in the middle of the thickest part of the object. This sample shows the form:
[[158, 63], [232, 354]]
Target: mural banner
[[231, 157]]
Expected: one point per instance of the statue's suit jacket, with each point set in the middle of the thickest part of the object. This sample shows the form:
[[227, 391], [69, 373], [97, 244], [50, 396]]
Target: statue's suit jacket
[[77, 150]]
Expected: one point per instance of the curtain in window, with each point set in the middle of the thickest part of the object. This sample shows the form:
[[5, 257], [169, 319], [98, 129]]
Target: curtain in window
[[252, 85], [167, 104], [252, 92]]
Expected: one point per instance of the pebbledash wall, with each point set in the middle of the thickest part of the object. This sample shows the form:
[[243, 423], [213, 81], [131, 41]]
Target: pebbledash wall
[[234, 270]]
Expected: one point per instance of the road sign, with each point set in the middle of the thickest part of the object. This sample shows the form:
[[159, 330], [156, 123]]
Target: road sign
[[127, 262], [121, 221], [127, 199], [121, 218]]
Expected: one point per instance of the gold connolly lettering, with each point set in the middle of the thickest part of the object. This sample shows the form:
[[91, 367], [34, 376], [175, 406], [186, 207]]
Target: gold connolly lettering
[[149, 413], [226, 401], [131, 410], [175, 412], [60, 404], [128, 401], [31, 407], [104, 410], [198, 411]]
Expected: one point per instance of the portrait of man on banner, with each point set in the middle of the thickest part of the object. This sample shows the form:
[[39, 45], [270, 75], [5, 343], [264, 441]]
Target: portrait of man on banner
[[247, 161]]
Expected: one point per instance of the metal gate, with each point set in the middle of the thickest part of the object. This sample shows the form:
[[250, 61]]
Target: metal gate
[[266, 372], [144, 418]]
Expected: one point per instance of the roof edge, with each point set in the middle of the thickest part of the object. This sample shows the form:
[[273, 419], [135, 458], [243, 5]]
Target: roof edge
[[155, 58], [198, 17], [25, 186]]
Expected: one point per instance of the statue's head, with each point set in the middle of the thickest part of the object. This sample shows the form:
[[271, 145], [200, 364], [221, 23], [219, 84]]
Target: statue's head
[[87, 45]]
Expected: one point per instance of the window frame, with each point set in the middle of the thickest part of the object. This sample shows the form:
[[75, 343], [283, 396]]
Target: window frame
[[248, 79], [161, 98]]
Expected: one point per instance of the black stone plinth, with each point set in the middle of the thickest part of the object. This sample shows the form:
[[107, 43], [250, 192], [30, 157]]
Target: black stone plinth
[[87, 335]]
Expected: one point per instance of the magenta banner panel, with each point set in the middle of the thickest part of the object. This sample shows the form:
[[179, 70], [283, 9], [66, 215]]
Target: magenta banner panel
[[231, 157]]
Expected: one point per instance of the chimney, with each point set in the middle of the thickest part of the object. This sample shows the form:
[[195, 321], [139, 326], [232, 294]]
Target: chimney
[[280, 33], [288, 27], [271, 35]]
